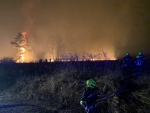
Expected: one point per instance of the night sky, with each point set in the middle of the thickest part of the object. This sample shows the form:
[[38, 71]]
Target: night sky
[[116, 26]]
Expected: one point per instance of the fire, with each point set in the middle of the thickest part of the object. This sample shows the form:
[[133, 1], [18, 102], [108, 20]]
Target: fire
[[25, 53], [66, 57], [52, 60], [22, 54], [22, 57], [22, 49], [24, 34]]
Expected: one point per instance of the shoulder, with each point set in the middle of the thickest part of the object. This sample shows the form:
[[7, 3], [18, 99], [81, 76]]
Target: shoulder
[[94, 89], [87, 88]]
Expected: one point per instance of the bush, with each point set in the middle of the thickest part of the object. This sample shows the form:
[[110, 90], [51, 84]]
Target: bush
[[7, 60]]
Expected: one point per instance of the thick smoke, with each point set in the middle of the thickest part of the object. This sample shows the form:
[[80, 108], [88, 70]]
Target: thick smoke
[[136, 25], [117, 26]]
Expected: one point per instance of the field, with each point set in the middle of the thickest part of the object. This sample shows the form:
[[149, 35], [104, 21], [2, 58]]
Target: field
[[58, 86]]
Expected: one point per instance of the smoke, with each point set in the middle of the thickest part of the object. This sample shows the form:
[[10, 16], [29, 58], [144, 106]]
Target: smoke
[[82, 29], [135, 34], [117, 26]]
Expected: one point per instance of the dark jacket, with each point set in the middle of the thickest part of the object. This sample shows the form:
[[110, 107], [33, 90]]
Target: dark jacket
[[90, 95], [127, 59]]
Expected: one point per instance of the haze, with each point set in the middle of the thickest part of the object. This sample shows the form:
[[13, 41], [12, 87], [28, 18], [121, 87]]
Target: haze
[[116, 26]]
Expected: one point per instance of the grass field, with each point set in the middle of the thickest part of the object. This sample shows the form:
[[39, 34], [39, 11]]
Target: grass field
[[59, 86]]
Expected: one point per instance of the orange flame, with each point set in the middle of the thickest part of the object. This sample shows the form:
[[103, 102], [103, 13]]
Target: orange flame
[[24, 33]]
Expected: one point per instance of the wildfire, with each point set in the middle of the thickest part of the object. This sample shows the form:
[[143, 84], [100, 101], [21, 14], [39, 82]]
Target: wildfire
[[52, 60], [24, 34], [22, 54], [25, 53], [66, 57], [22, 49]]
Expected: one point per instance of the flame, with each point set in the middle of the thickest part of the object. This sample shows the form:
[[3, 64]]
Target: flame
[[25, 56], [83, 57], [24, 33], [22, 49], [25, 53], [22, 54], [52, 60], [22, 57]]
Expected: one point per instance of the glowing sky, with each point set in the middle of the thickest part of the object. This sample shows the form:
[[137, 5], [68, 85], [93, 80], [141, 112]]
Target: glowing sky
[[118, 26]]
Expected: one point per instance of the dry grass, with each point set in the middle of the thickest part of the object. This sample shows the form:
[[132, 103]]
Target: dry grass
[[62, 90]]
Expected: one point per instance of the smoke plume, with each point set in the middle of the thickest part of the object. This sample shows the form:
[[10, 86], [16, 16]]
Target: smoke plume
[[117, 26]]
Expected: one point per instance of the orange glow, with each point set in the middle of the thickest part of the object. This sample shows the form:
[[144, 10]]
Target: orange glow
[[24, 55], [52, 60], [27, 56], [22, 49], [83, 57], [24, 33]]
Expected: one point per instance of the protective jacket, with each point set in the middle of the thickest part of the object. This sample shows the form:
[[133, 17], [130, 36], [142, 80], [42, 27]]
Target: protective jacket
[[142, 57], [138, 62], [90, 95], [127, 60]]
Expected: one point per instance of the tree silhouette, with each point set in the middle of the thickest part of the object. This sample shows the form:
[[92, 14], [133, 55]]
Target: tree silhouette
[[21, 43], [56, 47]]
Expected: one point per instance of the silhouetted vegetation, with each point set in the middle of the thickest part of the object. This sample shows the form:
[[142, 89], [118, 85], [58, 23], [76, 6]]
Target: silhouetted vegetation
[[7, 60]]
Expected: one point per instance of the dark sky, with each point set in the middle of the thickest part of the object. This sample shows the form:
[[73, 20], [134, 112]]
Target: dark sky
[[116, 26]]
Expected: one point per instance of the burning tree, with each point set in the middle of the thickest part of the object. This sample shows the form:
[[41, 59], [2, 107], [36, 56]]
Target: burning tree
[[21, 43]]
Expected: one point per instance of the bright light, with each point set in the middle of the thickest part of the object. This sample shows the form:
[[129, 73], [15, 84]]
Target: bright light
[[22, 49], [52, 60], [22, 57], [24, 33]]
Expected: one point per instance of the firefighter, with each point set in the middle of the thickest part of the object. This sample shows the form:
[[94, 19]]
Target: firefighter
[[141, 56], [138, 63], [89, 97], [127, 62]]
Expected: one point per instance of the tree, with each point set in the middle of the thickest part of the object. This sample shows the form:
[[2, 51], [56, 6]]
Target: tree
[[56, 47], [21, 43]]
